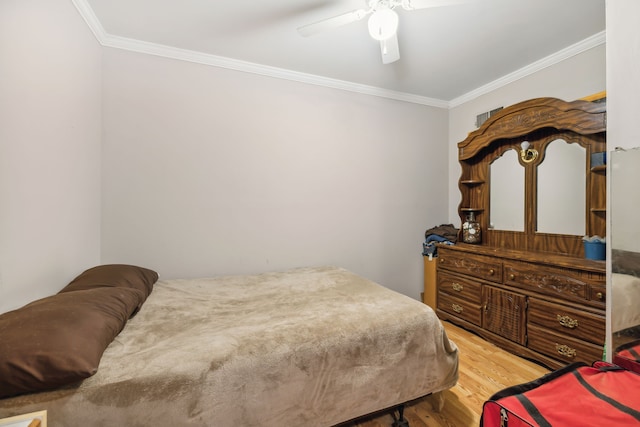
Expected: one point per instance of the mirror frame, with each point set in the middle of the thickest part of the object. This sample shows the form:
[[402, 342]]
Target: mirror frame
[[539, 121], [568, 191]]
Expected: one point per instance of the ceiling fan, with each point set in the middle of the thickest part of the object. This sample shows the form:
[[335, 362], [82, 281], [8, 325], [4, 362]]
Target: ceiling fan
[[383, 22]]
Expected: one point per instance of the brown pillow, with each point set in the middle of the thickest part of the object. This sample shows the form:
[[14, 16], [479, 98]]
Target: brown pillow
[[115, 275], [60, 339]]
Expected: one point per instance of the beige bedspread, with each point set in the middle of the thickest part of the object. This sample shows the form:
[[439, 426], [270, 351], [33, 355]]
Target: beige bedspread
[[306, 347]]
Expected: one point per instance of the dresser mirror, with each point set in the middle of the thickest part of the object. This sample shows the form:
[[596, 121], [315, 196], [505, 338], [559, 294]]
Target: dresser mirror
[[561, 195], [559, 183], [625, 247], [507, 193]]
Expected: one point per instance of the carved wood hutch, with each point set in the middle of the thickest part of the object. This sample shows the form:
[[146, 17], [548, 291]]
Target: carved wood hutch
[[530, 292]]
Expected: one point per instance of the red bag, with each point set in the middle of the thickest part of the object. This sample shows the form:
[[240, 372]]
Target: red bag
[[576, 395], [628, 356]]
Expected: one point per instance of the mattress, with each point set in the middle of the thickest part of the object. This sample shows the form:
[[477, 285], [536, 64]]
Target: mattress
[[309, 346], [626, 301]]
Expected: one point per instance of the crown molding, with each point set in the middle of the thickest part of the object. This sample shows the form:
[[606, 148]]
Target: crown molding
[[566, 53], [108, 40], [264, 70], [91, 19], [139, 46]]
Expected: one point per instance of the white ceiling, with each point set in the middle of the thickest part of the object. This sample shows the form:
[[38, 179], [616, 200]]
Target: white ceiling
[[445, 52]]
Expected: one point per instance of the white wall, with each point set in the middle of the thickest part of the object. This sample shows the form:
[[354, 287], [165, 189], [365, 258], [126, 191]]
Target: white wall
[[581, 75], [49, 148], [623, 68], [623, 110], [210, 171]]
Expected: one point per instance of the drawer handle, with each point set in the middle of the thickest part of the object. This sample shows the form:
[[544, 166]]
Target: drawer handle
[[441, 260], [567, 321], [600, 296], [492, 272], [512, 276], [566, 351], [457, 308], [457, 287]]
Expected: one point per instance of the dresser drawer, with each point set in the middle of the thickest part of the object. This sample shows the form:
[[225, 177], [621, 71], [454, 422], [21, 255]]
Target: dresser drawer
[[460, 307], [557, 282], [562, 347], [480, 266], [459, 286], [567, 321], [598, 294]]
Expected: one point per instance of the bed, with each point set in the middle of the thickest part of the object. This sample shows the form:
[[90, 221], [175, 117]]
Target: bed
[[305, 347], [625, 304], [625, 286]]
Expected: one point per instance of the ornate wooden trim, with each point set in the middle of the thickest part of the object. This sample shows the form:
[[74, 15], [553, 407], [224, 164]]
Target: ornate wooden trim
[[582, 117]]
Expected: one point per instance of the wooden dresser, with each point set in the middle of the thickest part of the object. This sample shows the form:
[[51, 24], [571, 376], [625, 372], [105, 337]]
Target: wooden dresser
[[547, 308], [525, 285]]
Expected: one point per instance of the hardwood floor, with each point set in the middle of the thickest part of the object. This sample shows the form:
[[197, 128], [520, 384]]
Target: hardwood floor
[[484, 369]]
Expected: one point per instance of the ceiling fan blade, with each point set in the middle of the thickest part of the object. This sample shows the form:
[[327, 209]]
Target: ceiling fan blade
[[390, 49], [424, 4], [336, 21]]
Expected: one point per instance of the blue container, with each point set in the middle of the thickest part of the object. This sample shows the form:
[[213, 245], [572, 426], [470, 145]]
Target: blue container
[[595, 250], [598, 159]]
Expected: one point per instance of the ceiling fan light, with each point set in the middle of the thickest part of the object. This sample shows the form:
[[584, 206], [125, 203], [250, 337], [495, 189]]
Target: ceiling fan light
[[383, 24]]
